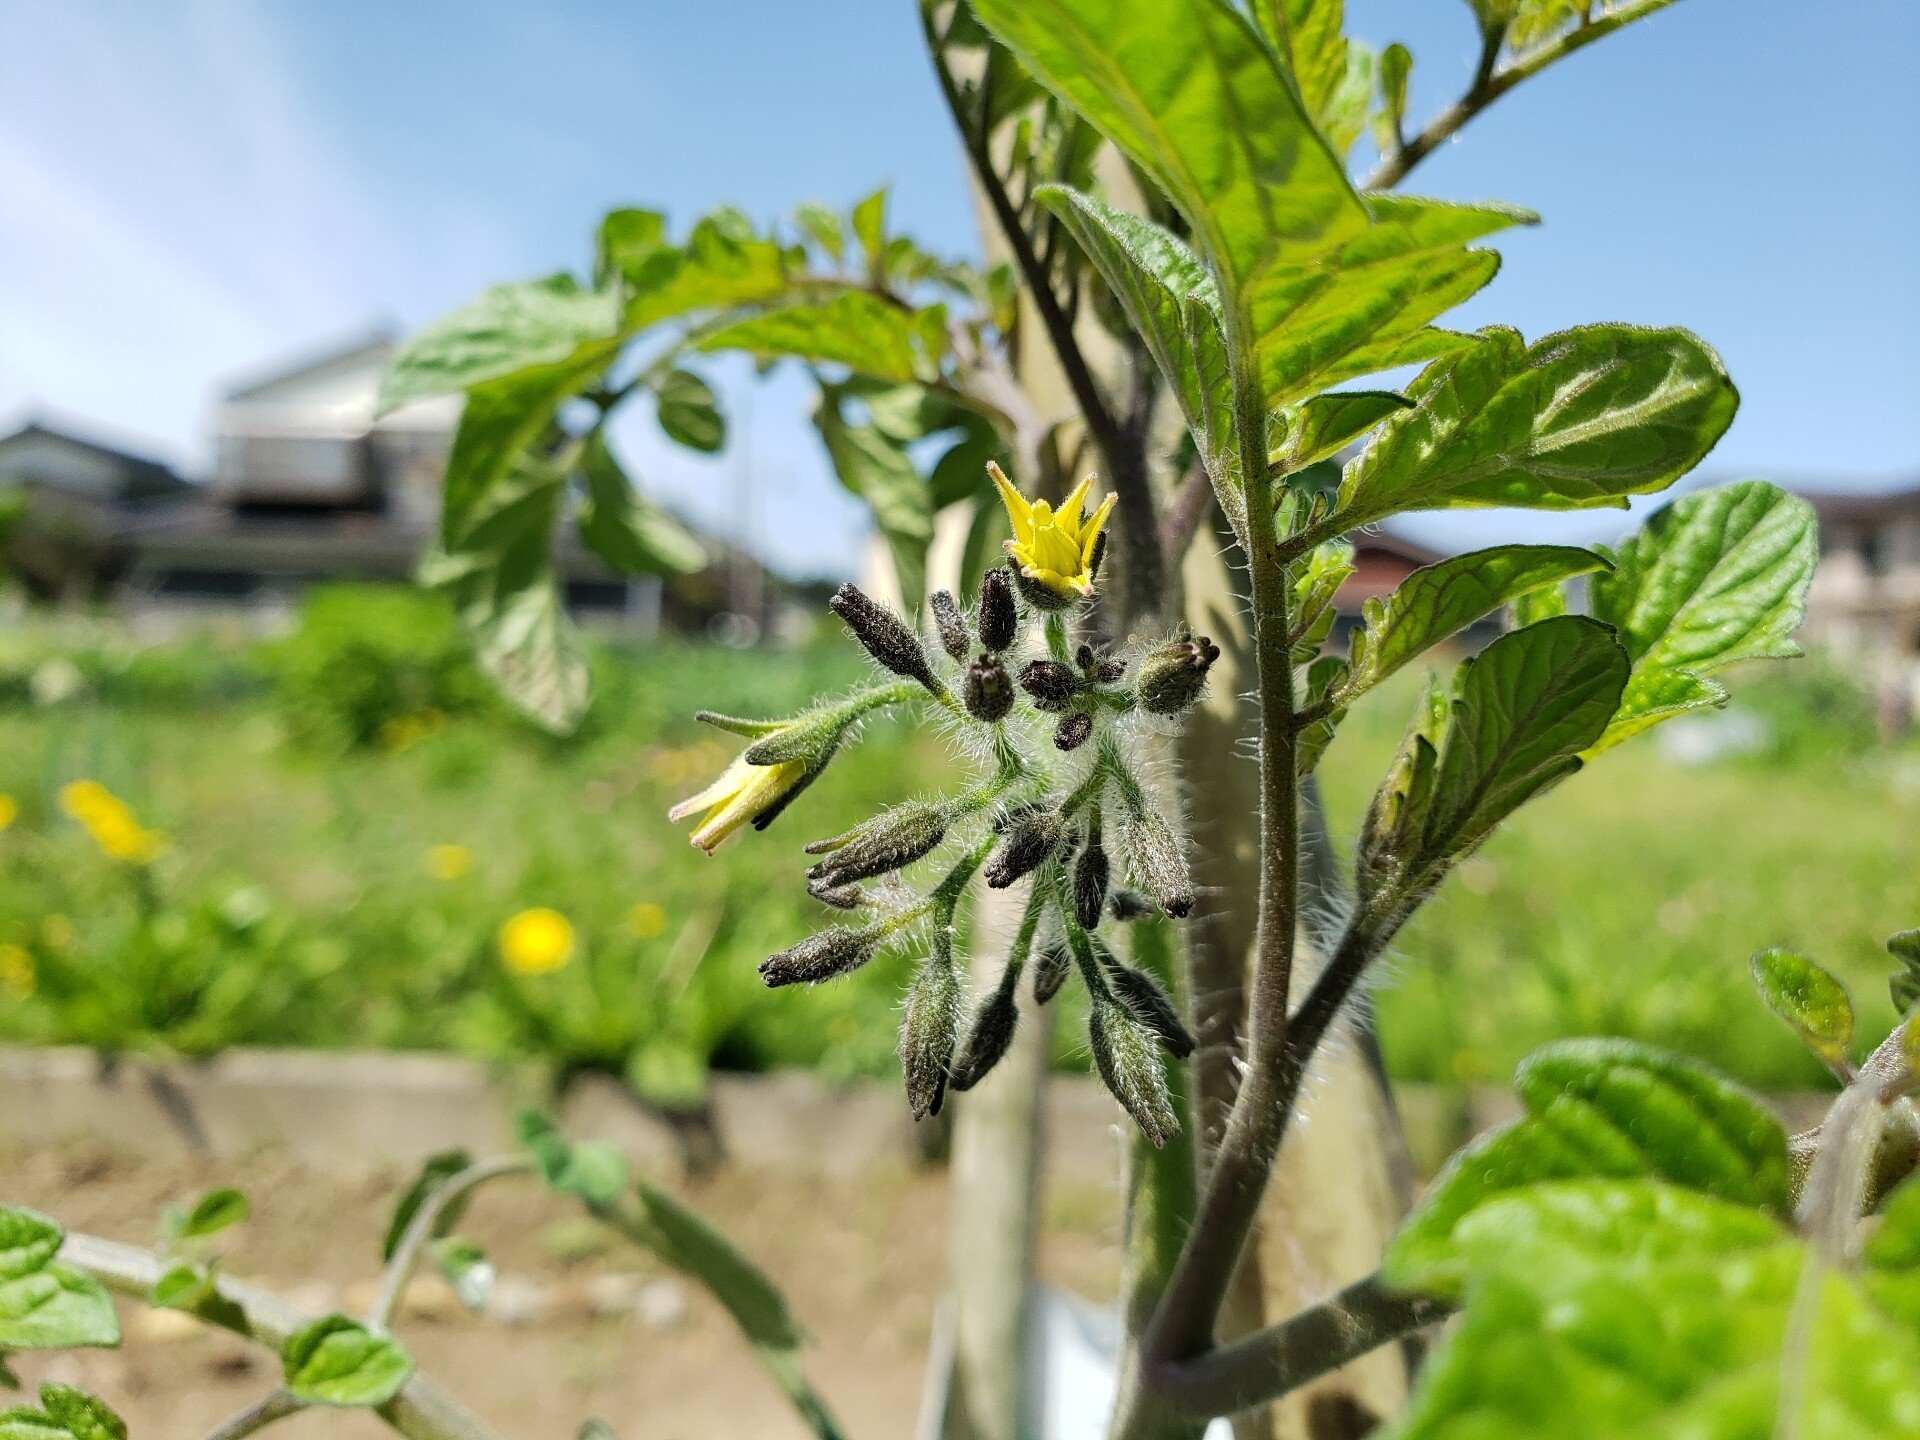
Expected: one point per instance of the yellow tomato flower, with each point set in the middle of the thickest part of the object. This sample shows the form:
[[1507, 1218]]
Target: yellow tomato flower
[[449, 862], [1054, 548], [742, 793], [536, 942], [646, 920], [17, 970], [9, 811]]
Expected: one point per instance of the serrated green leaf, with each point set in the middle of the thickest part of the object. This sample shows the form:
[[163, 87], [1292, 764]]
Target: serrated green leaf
[[65, 1413], [869, 224], [688, 412], [1315, 46], [1316, 429], [337, 1361], [1600, 1109], [55, 1307], [823, 227], [434, 1172], [683, 1239], [1634, 1310], [214, 1212], [633, 245], [505, 330], [1809, 999], [1711, 580], [1583, 418], [626, 529], [862, 331], [1442, 599], [467, 1270], [1522, 711], [28, 1240]]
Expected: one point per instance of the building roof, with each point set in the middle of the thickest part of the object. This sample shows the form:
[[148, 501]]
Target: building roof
[[144, 476], [1831, 505], [372, 345]]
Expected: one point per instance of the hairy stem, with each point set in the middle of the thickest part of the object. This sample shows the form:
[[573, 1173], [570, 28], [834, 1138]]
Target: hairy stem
[[425, 1223], [421, 1411], [277, 1406]]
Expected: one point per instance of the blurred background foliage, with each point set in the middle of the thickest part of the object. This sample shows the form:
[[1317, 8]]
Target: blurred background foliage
[[350, 816]]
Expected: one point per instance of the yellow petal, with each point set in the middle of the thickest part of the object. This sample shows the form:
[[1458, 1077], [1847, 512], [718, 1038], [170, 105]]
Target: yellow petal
[[1018, 510], [1092, 537], [1069, 512]]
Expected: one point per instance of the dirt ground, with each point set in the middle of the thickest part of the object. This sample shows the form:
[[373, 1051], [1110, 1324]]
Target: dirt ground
[[581, 1326]]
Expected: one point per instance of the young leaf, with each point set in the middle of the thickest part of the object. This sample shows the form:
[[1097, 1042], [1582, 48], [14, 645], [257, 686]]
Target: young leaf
[[1905, 986], [45, 1305], [1634, 1310], [881, 472], [1710, 580], [28, 1240], [214, 1212], [689, 1243], [861, 331], [823, 227], [869, 222], [435, 1172], [1444, 598], [338, 1361], [1605, 1109], [64, 1414], [506, 329], [1523, 710], [467, 1270], [1583, 418], [1318, 428], [688, 412], [1396, 64], [1809, 999], [624, 528]]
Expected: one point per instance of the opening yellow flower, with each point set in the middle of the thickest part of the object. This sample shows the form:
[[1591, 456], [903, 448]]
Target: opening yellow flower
[[646, 920], [1054, 548], [9, 811], [536, 942], [448, 862], [743, 793]]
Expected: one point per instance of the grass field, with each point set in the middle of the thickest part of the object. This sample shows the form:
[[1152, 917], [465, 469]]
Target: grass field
[[307, 895]]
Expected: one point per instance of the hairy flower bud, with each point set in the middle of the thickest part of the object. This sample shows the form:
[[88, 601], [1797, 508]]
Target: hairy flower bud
[[889, 841], [1128, 905], [1073, 731], [1158, 863], [834, 951], [886, 636], [1090, 875], [928, 1035], [1175, 675], [1143, 998], [1050, 972], [989, 689], [989, 1035], [995, 614], [840, 897], [950, 624], [1051, 684], [1030, 838], [1127, 1061]]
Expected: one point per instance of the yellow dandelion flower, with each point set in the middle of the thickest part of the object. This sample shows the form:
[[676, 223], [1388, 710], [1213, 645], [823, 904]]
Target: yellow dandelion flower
[[646, 920], [537, 941], [9, 811], [17, 971], [448, 862], [1054, 548], [111, 823]]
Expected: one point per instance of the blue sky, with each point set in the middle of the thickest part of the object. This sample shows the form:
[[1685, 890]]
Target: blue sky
[[191, 187]]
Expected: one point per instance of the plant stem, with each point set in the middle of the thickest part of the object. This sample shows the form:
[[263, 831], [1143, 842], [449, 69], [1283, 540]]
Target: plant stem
[[277, 1406], [425, 1222], [1489, 84], [421, 1411]]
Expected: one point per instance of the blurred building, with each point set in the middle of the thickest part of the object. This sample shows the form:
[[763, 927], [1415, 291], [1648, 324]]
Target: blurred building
[[1864, 606], [308, 485]]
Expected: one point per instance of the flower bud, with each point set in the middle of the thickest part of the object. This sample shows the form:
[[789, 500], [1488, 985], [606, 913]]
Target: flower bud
[[1127, 1061], [1090, 875], [1175, 675], [1143, 998], [1050, 972], [928, 1035], [989, 689], [989, 1035], [1128, 905], [950, 624], [834, 951], [885, 634], [840, 897], [1051, 684], [1073, 731], [1158, 863], [889, 841], [995, 614], [1030, 838]]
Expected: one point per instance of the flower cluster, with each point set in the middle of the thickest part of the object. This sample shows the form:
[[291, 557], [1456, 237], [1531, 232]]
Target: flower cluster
[[1052, 725], [111, 823]]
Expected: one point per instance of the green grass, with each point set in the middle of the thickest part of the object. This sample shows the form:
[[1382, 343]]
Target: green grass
[[295, 904]]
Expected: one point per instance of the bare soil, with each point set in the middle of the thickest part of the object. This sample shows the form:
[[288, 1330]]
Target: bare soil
[[861, 1258]]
